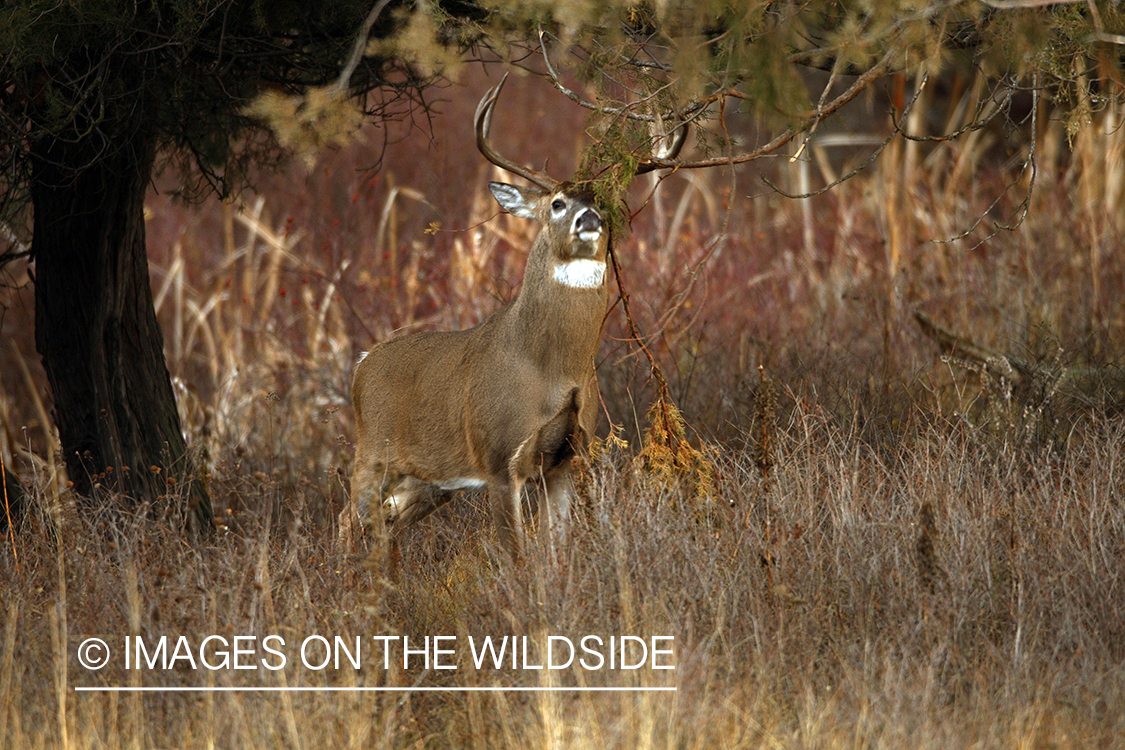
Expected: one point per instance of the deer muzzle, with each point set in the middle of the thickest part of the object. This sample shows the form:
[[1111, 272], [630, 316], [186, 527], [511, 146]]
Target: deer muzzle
[[588, 225]]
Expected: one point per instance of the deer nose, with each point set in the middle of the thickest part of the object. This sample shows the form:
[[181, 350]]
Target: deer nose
[[588, 225]]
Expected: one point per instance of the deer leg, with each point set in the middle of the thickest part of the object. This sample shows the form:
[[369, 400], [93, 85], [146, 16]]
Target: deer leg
[[369, 479], [413, 500], [507, 514], [346, 525], [559, 491]]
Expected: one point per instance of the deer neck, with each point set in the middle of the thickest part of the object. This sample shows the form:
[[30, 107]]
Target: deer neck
[[560, 314]]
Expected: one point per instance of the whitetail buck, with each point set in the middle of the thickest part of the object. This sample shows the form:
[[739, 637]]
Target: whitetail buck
[[507, 401]]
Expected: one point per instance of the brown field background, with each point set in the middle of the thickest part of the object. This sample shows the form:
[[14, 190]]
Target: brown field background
[[898, 549]]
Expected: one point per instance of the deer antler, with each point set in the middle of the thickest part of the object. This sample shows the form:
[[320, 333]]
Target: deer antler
[[483, 121], [667, 148]]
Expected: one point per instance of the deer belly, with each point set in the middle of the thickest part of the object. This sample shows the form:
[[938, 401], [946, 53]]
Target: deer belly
[[463, 483]]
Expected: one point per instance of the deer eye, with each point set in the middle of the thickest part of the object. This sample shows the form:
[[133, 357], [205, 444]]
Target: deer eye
[[558, 205]]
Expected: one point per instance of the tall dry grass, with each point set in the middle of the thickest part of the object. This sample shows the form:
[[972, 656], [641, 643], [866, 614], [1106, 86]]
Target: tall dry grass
[[951, 589], [899, 549]]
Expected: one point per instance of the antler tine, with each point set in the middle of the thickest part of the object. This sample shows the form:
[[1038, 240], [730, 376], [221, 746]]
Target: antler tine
[[483, 122], [666, 154]]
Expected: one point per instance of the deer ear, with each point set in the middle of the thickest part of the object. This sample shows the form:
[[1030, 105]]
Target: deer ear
[[516, 200]]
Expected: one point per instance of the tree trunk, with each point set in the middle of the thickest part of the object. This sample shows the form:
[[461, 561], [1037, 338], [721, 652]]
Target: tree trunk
[[95, 326]]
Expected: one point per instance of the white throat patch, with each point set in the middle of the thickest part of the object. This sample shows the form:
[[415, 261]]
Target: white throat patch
[[582, 273]]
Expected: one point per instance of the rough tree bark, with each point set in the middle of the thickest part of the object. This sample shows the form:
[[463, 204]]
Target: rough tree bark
[[95, 326]]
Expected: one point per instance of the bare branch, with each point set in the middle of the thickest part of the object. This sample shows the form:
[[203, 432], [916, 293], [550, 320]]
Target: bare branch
[[977, 123], [1013, 4], [874, 73], [574, 97], [1025, 204], [896, 130], [691, 111], [360, 45], [819, 108]]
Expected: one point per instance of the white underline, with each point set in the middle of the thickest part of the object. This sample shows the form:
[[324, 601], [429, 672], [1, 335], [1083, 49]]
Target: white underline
[[299, 689]]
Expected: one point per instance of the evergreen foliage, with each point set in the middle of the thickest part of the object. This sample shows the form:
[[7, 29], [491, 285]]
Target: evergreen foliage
[[189, 70]]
